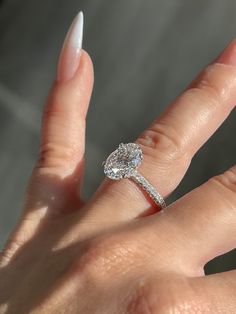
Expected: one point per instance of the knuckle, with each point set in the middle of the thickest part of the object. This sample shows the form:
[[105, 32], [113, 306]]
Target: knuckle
[[104, 256], [208, 87], [144, 298], [151, 297], [162, 138], [227, 183], [56, 155], [52, 110], [215, 83]]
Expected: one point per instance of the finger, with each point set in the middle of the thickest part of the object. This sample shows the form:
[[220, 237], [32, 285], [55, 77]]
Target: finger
[[63, 129], [53, 185], [203, 222], [217, 293], [171, 141]]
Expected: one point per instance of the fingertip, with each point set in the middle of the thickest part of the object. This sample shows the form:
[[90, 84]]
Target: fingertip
[[228, 55], [86, 69], [87, 60], [83, 78]]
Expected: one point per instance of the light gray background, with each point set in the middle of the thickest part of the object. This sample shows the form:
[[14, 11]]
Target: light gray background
[[144, 53]]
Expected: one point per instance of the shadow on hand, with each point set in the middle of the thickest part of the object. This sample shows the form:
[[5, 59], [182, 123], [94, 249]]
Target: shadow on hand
[[38, 266]]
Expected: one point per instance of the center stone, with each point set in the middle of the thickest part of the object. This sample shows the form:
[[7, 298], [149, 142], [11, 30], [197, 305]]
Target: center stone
[[121, 163]]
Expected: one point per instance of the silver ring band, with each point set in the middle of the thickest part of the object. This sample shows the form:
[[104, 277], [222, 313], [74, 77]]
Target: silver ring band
[[123, 164], [156, 196]]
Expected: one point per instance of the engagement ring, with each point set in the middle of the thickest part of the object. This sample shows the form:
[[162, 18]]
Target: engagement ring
[[123, 164]]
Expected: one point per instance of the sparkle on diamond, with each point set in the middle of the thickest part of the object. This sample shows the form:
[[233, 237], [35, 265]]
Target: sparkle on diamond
[[125, 159]]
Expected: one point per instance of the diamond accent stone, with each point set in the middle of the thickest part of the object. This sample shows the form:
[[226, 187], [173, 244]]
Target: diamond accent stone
[[157, 198], [123, 161]]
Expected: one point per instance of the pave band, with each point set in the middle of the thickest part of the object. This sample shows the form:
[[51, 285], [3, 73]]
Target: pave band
[[123, 163], [156, 196]]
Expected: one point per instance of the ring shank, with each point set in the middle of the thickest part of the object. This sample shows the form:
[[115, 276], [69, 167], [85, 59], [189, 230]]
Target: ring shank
[[139, 179]]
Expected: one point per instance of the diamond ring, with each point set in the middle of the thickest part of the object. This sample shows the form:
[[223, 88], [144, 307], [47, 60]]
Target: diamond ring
[[123, 163]]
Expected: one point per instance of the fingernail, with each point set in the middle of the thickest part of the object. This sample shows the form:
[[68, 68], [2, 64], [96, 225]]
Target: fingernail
[[71, 50], [228, 56]]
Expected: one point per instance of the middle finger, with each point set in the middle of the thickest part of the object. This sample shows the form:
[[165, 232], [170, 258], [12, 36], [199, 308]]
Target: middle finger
[[171, 141]]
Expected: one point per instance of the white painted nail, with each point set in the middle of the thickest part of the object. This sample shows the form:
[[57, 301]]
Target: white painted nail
[[71, 51]]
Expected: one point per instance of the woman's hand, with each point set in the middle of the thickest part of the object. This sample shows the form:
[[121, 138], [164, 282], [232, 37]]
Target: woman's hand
[[117, 253]]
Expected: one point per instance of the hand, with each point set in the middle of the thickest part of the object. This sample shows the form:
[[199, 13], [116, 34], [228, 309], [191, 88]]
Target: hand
[[117, 253]]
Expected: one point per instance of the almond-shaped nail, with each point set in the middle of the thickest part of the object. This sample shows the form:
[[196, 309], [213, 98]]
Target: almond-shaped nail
[[71, 50]]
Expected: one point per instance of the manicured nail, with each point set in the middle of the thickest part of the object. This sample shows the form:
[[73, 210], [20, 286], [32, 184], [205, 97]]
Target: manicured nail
[[71, 50], [228, 56]]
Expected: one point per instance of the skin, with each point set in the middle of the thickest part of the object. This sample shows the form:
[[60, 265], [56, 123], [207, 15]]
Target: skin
[[117, 253]]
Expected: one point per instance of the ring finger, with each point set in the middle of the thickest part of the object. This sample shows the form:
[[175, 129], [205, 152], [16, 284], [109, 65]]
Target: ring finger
[[204, 221], [172, 140]]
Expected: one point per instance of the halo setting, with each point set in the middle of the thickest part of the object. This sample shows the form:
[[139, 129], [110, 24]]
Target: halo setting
[[123, 164], [123, 161]]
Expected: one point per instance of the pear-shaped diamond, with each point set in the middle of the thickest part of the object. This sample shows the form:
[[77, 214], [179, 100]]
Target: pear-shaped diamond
[[123, 161]]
